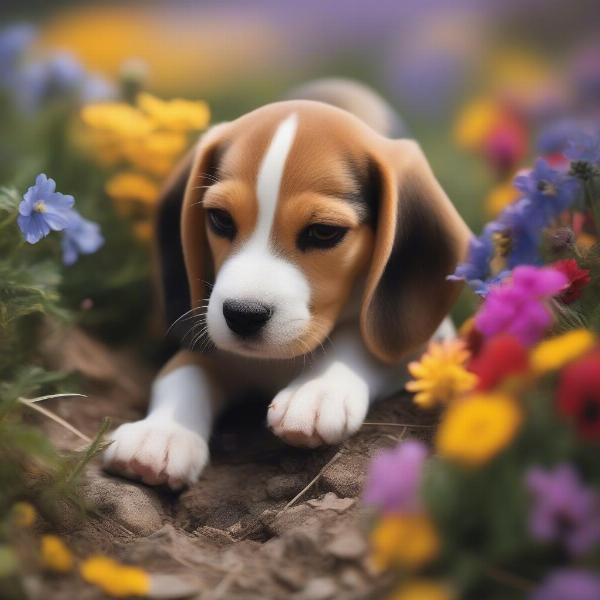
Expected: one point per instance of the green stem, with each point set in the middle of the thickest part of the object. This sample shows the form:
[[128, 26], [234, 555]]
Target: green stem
[[592, 201]]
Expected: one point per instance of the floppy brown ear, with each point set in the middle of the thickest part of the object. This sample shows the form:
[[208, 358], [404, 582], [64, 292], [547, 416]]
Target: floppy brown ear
[[184, 258], [420, 239]]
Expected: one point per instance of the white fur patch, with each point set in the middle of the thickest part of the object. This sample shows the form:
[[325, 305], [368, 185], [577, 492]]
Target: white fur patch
[[257, 273], [323, 410], [270, 175], [169, 446]]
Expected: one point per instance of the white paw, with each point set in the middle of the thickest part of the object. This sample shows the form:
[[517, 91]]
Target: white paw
[[157, 453], [324, 410]]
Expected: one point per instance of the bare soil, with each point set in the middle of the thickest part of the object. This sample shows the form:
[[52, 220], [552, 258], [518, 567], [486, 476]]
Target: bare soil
[[266, 521]]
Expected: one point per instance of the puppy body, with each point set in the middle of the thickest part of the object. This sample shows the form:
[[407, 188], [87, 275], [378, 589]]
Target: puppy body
[[309, 254]]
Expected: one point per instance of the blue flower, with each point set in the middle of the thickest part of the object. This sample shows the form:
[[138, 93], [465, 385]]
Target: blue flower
[[14, 41], [43, 209], [514, 238], [96, 88], [555, 138], [476, 270], [40, 82], [584, 147], [523, 223], [80, 237], [549, 191]]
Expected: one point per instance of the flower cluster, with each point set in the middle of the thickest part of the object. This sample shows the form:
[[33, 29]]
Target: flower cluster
[[142, 143], [43, 209], [35, 84], [55, 556], [513, 478], [553, 193]]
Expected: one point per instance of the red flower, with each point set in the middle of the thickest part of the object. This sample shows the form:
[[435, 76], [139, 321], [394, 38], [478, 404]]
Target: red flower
[[579, 395], [506, 144], [578, 279], [500, 358]]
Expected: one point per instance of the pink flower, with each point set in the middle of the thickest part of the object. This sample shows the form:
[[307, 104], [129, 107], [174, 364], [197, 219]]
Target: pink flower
[[519, 306]]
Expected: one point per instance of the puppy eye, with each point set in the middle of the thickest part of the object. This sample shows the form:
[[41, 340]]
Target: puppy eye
[[222, 223], [321, 236]]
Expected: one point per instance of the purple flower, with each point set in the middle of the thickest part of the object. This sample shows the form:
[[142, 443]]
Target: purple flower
[[571, 584], [476, 270], [40, 82], [549, 191], [546, 194], [96, 88], [519, 306], [395, 477], [80, 237], [563, 509], [43, 209], [584, 147], [14, 41], [554, 139]]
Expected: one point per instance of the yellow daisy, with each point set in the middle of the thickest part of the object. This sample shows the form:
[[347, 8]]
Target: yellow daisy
[[422, 589], [23, 514], [440, 376], [117, 118], [115, 579], [130, 186], [176, 114], [475, 122], [156, 153], [477, 428], [55, 555], [552, 354], [404, 540]]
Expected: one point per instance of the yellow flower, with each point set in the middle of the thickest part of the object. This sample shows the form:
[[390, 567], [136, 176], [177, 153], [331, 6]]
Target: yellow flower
[[554, 353], [405, 540], [518, 69], [176, 114], [422, 589], [55, 554], [499, 198], [585, 241], [24, 514], [156, 153], [117, 118], [475, 122], [475, 429], [130, 186], [440, 375], [143, 230], [115, 579]]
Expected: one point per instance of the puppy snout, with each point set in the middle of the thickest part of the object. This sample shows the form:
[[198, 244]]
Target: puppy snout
[[246, 317]]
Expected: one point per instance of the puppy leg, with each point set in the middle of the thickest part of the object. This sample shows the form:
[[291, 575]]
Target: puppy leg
[[169, 446], [329, 403]]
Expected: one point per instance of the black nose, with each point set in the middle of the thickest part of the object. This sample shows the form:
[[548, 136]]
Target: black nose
[[245, 317]]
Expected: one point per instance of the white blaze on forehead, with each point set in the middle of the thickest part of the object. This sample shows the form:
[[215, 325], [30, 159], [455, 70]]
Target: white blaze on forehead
[[270, 174]]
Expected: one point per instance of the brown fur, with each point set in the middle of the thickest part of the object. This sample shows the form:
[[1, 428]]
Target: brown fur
[[418, 232]]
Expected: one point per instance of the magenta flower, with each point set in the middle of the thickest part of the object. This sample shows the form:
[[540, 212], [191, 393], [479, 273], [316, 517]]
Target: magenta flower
[[395, 477], [574, 584], [563, 509], [519, 306]]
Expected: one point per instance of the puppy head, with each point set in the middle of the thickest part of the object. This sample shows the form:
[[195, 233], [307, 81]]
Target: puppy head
[[285, 210]]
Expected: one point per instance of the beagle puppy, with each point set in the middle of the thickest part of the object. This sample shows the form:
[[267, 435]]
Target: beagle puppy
[[303, 254]]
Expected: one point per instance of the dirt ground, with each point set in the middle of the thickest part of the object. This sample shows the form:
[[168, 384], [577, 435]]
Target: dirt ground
[[266, 521]]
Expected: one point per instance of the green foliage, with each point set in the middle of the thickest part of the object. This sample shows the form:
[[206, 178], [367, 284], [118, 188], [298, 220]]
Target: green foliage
[[106, 292]]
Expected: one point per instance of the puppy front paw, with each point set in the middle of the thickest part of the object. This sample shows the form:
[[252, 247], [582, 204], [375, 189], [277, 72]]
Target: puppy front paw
[[323, 410], [157, 453]]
